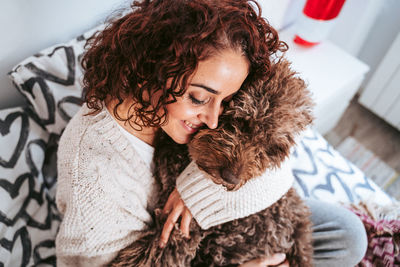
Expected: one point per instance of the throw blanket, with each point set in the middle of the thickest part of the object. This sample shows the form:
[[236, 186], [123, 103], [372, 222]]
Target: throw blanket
[[382, 224]]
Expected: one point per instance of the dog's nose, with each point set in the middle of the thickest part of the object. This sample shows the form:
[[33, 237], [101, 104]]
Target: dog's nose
[[229, 177]]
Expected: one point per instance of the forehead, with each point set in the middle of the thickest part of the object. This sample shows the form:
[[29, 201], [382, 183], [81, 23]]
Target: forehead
[[223, 72]]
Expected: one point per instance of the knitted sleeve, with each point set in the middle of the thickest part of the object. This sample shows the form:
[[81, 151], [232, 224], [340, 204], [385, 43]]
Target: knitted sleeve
[[96, 222], [102, 196], [211, 204]]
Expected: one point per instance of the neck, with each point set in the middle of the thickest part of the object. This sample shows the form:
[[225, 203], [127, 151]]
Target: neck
[[146, 134]]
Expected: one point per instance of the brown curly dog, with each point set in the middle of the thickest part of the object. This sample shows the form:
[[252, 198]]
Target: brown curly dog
[[256, 132]]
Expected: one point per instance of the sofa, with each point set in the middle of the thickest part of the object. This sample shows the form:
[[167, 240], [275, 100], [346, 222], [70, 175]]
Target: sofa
[[50, 81]]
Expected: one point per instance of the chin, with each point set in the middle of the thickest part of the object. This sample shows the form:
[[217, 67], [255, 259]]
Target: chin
[[178, 135], [180, 140]]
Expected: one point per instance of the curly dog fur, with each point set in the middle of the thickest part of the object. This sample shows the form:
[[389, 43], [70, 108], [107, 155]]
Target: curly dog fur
[[256, 132]]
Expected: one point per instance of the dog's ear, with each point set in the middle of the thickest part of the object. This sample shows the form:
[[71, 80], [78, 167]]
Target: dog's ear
[[290, 102], [282, 110], [249, 104]]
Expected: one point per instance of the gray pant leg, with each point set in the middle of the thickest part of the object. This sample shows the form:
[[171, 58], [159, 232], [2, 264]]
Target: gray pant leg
[[339, 237]]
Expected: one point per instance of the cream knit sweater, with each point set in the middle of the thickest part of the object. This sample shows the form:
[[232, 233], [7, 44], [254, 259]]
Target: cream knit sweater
[[106, 192]]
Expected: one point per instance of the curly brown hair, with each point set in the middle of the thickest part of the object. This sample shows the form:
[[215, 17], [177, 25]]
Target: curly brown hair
[[158, 45]]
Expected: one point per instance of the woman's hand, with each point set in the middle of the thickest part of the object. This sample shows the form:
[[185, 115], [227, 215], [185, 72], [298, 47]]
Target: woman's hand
[[275, 260], [175, 208]]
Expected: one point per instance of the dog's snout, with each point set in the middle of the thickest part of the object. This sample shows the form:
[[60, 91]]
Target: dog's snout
[[229, 177]]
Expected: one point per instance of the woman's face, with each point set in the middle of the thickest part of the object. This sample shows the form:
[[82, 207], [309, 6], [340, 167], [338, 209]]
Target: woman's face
[[215, 81]]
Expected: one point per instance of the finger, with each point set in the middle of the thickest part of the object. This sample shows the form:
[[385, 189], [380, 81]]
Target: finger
[[170, 202], [185, 222], [169, 224], [275, 259]]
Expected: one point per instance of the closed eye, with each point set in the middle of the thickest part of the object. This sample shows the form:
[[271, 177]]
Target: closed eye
[[197, 101]]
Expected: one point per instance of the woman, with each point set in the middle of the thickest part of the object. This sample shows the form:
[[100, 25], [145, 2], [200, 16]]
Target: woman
[[172, 65]]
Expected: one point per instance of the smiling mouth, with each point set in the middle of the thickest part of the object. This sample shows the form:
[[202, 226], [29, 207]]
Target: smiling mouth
[[190, 127]]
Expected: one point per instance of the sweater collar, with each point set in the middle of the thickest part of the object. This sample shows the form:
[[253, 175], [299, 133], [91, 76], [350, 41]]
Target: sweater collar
[[107, 127]]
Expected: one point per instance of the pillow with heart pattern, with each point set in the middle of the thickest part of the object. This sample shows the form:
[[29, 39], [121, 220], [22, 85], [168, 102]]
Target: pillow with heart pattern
[[28, 215], [51, 81], [321, 173]]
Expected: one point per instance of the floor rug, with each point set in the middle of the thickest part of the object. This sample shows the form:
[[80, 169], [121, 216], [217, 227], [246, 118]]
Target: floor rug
[[385, 176]]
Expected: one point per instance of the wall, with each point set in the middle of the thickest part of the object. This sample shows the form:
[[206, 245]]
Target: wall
[[354, 23], [365, 28], [27, 26], [381, 36]]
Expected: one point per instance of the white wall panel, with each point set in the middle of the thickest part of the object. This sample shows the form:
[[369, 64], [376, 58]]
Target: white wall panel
[[382, 94]]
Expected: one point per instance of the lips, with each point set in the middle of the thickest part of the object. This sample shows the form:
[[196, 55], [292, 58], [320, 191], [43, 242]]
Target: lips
[[190, 127]]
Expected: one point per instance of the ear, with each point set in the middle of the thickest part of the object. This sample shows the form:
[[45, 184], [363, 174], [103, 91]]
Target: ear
[[284, 107]]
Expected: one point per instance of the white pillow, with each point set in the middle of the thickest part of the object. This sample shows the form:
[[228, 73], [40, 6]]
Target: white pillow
[[51, 81], [28, 217], [322, 173]]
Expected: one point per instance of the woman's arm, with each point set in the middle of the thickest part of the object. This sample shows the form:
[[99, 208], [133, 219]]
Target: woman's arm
[[103, 208], [95, 226], [211, 204]]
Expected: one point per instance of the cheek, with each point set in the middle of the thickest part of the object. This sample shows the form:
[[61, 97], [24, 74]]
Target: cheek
[[180, 111]]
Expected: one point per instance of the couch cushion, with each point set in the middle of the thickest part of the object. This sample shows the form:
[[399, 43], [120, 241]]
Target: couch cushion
[[28, 217], [321, 173], [51, 81]]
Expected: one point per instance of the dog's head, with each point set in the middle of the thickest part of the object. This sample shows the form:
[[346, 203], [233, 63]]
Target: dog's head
[[257, 129]]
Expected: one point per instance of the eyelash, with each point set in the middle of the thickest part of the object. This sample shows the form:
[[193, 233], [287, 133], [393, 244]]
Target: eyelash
[[196, 101]]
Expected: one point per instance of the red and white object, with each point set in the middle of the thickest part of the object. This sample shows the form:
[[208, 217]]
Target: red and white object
[[317, 20]]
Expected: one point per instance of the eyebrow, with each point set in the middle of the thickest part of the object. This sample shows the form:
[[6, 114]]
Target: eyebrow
[[215, 92]]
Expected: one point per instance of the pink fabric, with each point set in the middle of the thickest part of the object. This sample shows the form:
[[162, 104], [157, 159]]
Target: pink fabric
[[383, 241]]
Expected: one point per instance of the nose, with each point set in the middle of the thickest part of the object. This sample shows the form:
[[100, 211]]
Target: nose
[[229, 177], [210, 116]]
